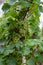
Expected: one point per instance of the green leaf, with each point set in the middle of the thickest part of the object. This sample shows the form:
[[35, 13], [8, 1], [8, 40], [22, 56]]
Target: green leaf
[[18, 45], [26, 50], [11, 61], [30, 61], [6, 7], [40, 58], [36, 54], [24, 4], [41, 9], [1, 60], [1, 50], [38, 1], [32, 42], [11, 2], [40, 49], [9, 49], [12, 13]]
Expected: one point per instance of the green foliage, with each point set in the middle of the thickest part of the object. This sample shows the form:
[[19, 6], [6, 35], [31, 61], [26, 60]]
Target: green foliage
[[20, 33]]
